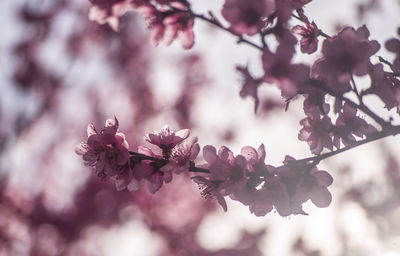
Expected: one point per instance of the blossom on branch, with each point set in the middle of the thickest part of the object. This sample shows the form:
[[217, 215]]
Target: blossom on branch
[[345, 54], [106, 151], [393, 45], [348, 125], [250, 86], [309, 37], [109, 11], [279, 69], [182, 155], [316, 131], [303, 182], [167, 139], [166, 25], [246, 17]]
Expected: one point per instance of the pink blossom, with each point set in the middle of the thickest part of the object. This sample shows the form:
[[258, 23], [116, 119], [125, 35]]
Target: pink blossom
[[250, 86], [346, 53], [263, 202], [381, 85], [106, 151], [150, 170], [226, 168], [109, 11], [210, 189], [255, 159], [393, 45], [254, 169], [285, 8], [309, 37], [245, 17], [348, 125], [303, 182], [182, 155], [166, 26], [279, 69], [230, 170], [316, 131], [167, 139]]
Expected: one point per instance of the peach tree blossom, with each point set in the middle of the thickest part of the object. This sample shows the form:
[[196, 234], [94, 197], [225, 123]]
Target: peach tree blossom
[[337, 117]]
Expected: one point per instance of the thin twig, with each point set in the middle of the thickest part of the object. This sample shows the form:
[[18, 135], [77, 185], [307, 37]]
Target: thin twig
[[241, 39]]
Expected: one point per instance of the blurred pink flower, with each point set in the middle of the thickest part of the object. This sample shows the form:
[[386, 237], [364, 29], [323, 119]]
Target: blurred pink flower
[[245, 17], [393, 45], [166, 26], [109, 11], [250, 86], [344, 54]]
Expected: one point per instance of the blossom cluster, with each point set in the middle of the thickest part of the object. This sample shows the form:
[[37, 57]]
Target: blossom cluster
[[167, 19], [107, 152], [245, 177], [333, 121]]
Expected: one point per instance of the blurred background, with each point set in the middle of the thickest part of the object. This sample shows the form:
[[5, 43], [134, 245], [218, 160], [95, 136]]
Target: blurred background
[[59, 71]]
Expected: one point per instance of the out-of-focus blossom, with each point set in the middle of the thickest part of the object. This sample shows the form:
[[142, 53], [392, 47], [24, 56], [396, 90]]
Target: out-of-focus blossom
[[382, 86], [246, 17], [109, 11], [345, 54], [166, 26], [250, 86], [284, 8], [279, 69], [393, 45]]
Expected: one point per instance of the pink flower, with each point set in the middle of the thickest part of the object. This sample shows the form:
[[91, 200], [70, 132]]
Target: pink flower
[[254, 170], [210, 189], [309, 37], [166, 26], [316, 131], [381, 85], [106, 151], [230, 170], [303, 182], [349, 124], [393, 45], [109, 11], [182, 155], [167, 139], [250, 86], [255, 158], [279, 69], [344, 54], [150, 170], [245, 16]]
